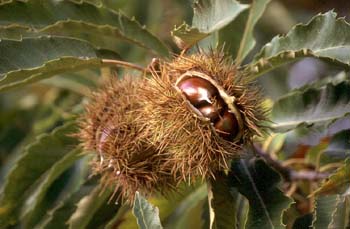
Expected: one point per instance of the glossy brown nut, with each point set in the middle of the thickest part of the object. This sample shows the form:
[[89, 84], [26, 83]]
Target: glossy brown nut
[[209, 111], [198, 91], [227, 126]]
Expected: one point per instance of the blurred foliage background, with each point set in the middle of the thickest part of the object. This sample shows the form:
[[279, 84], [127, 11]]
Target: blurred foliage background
[[39, 109]]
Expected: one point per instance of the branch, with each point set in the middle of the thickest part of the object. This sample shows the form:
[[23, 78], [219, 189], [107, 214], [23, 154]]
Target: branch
[[124, 64], [289, 174]]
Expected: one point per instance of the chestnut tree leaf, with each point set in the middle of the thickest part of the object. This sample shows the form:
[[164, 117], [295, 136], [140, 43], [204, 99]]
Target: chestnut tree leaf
[[58, 216], [238, 35], [181, 213], [338, 182], [311, 106], [58, 191], [37, 158], [33, 59], [90, 205], [324, 209], [208, 16], [99, 25], [225, 203], [147, 215], [259, 184], [106, 213], [325, 36], [339, 145], [32, 203], [341, 215], [95, 2]]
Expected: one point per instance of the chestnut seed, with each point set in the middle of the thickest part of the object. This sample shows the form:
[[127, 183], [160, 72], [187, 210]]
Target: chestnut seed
[[227, 125], [205, 97], [209, 111], [197, 90]]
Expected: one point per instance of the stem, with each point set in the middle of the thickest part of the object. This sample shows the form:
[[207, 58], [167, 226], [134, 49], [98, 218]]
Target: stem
[[211, 207], [124, 64], [288, 173]]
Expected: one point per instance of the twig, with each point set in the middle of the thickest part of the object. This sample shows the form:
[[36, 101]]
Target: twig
[[124, 64], [288, 173]]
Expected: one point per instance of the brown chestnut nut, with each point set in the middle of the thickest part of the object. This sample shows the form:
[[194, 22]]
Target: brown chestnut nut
[[197, 90], [209, 111], [205, 97], [227, 126], [212, 111]]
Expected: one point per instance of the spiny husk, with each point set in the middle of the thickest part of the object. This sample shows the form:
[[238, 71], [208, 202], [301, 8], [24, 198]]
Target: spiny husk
[[125, 159], [148, 138], [169, 123]]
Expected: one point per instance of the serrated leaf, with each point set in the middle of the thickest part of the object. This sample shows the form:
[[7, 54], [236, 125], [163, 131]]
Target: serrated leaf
[[324, 37], [208, 16], [212, 15], [49, 200], [259, 184], [147, 215], [313, 106], [180, 214], [95, 2], [82, 20], [304, 221], [324, 209], [34, 59], [339, 145], [37, 158], [241, 30], [303, 136], [59, 215], [32, 122], [50, 176], [257, 8], [337, 182], [88, 206], [13, 129], [104, 215], [225, 204], [341, 215], [185, 36]]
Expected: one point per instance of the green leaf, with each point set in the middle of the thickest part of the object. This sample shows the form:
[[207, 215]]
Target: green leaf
[[313, 106], [59, 215], [31, 121], [50, 199], [50, 176], [339, 145], [88, 206], [242, 31], [212, 15], [185, 36], [104, 215], [259, 184], [36, 160], [34, 59], [304, 221], [147, 215], [95, 2], [324, 37], [183, 209], [222, 203], [324, 209], [15, 125], [97, 25], [208, 16], [341, 215], [337, 182]]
